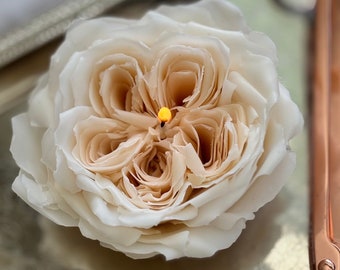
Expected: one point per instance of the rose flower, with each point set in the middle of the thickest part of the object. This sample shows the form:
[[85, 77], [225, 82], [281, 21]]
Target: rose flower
[[158, 136]]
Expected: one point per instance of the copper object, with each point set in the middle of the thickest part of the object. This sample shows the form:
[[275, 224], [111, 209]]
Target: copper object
[[325, 138]]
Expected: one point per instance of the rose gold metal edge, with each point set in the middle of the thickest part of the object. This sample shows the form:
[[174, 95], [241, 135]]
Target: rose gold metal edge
[[324, 253], [334, 143]]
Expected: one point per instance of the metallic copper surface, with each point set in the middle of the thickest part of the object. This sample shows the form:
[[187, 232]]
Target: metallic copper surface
[[335, 126], [325, 145]]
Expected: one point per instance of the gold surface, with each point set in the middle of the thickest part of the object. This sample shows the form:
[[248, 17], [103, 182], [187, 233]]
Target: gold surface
[[276, 239]]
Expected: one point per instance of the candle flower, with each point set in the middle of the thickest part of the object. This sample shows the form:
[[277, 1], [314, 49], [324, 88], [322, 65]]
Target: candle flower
[[161, 135]]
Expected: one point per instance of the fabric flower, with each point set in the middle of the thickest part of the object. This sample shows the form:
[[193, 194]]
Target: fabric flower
[[93, 152]]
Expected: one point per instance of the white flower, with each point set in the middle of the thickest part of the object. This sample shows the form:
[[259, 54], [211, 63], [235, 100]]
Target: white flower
[[93, 154]]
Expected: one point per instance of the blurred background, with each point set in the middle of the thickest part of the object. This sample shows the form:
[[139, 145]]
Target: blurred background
[[31, 30]]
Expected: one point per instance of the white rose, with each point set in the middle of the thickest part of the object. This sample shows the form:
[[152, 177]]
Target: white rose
[[93, 154]]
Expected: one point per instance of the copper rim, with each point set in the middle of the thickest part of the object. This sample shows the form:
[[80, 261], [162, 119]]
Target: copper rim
[[325, 128]]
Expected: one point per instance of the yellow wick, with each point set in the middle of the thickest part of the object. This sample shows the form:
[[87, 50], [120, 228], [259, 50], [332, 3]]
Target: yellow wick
[[164, 115]]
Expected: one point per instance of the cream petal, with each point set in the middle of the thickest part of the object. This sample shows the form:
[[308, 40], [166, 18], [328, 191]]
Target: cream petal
[[180, 213], [262, 45], [141, 218], [31, 191], [64, 137], [219, 14], [211, 203], [41, 199], [106, 234], [63, 176], [250, 154], [79, 87], [227, 92], [40, 108], [260, 72], [115, 89], [143, 251], [117, 78], [177, 242], [190, 74], [137, 120], [263, 190], [78, 39], [213, 141], [91, 227], [26, 147], [171, 246], [121, 156], [287, 114], [117, 64], [48, 149], [196, 242], [103, 145], [279, 130], [155, 177], [105, 212], [129, 214], [107, 190], [227, 220], [165, 89], [64, 96], [205, 241], [246, 93], [192, 161], [239, 43], [266, 187], [275, 148]]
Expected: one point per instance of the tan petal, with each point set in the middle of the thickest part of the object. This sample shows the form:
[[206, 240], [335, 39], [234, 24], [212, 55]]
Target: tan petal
[[155, 177], [103, 145], [190, 74], [117, 79], [212, 141]]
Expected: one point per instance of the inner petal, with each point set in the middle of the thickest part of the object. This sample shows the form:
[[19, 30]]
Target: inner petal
[[116, 89], [104, 145], [116, 84], [206, 143], [101, 145], [181, 85]]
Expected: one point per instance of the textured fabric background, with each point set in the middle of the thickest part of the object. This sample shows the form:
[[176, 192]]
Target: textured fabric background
[[14, 14]]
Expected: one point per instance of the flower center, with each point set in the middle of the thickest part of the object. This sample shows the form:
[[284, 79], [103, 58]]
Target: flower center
[[164, 115]]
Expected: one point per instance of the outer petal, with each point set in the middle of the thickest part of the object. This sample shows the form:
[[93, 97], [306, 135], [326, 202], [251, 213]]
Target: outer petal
[[78, 39], [213, 13], [33, 183], [41, 105], [26, 147], [42, 200]]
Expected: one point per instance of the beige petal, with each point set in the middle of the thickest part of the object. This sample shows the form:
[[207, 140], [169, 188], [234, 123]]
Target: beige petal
[[189, 71], [155, 178], [114, 85], [212, 141], [103, 145], [116, 71]]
